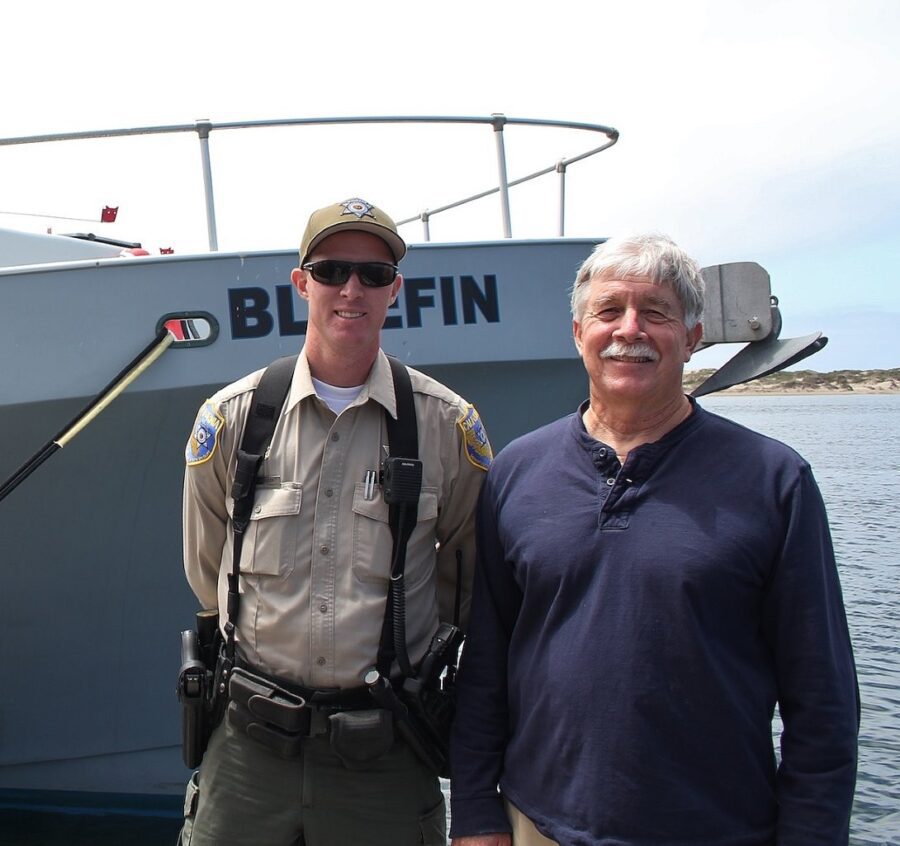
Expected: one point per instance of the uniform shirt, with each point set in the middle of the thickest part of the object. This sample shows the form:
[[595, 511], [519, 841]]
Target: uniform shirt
[[316, 557], [632, 629]]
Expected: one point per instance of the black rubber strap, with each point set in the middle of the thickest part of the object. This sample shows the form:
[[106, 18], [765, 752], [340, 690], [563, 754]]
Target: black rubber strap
[[265, 409]]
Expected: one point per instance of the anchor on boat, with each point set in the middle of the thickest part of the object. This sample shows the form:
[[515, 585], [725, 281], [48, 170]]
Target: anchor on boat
[[740, 307]]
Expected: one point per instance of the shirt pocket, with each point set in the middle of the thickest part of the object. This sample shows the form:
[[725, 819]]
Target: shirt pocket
[[373, 542], [270, 542]]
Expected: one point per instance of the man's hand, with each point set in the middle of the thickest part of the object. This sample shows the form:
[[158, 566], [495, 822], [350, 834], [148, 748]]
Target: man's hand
[[483, 840]]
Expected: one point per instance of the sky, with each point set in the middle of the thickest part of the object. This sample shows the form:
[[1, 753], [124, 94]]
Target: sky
[[750, 131]]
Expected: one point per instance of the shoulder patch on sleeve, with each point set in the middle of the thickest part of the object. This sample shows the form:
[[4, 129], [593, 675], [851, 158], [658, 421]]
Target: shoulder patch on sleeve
[[478, 447], [205, 435]]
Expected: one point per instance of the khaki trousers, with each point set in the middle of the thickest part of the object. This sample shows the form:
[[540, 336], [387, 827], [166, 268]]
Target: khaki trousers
[[245, 795], [523, 831]]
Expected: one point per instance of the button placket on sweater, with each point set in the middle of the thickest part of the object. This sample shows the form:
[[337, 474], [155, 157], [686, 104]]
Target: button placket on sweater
[[607, 465], [612, 483]]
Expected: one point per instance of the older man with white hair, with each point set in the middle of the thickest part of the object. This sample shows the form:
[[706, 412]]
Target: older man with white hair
[[652, 580]]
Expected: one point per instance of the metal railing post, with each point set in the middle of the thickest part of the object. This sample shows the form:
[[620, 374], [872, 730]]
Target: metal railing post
[[498, 121], [561, 170], [203, 129]]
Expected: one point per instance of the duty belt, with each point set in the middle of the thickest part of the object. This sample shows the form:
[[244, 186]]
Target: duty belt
[[279, 714]]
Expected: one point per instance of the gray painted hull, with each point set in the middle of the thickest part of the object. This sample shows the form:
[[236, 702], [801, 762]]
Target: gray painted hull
[[93, 592]]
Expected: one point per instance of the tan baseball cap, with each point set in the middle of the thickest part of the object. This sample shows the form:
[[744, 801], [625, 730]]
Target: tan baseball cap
[[352, 214]]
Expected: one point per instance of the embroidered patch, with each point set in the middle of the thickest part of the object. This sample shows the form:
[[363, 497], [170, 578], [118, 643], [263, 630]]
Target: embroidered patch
[[202, 443], [478, 448]]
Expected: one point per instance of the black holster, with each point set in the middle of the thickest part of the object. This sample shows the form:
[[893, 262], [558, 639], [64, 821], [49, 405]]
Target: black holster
[[200, 689], [430, 695], [431, 710], [425, 704]]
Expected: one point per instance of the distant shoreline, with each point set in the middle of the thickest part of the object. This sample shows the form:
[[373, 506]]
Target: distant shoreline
[[808, 383], [741, 391]]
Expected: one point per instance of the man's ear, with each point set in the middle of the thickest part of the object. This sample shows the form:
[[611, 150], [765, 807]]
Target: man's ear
[[576, 335], [395, 288], [300, 280], [693, 338]]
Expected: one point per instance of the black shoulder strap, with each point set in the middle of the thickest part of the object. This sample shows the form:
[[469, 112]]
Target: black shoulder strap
[[268, 400], [403, 433], [403, 443], [265, 409]]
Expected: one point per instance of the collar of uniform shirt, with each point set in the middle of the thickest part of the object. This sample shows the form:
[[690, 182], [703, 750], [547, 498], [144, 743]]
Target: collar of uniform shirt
[[379, 386]]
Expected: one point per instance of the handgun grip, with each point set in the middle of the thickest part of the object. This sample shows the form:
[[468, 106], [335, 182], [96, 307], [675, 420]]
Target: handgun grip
[[193, 670]]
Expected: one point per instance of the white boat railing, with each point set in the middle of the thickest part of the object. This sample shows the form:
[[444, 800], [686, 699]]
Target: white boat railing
[[497, 123]]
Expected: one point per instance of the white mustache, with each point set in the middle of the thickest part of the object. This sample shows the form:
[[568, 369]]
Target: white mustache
[[617, 349]]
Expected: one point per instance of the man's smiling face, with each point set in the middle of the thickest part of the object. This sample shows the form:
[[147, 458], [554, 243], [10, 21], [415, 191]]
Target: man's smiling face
[[632, 339], [347, 318]]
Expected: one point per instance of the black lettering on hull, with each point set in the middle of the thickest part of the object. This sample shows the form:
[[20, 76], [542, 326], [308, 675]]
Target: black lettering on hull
[[287, 320], [486, 301], [416, 299], [248, 310], [448, 301], [251, 314]]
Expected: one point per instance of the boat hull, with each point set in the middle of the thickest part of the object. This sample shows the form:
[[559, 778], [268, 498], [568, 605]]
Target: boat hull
[[94, 593]]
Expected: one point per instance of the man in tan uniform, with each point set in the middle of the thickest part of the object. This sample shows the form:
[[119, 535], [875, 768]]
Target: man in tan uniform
[[316, 557]]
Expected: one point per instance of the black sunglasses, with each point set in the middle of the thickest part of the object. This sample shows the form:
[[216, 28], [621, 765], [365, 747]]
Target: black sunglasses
[[372, 274]]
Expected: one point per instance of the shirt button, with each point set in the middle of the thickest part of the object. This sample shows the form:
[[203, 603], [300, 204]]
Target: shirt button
[[257, 509], [601, 453], [335, 436], [610, 481], [323, 550], [320, 661], [323, 607], [329, 492]]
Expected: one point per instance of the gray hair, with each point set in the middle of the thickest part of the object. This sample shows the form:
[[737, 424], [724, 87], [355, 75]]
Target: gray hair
[[654, 257]]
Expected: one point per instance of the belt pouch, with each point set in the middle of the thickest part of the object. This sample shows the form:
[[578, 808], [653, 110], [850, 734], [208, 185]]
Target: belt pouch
[[359, 737], [268, 714], [282, 743], [269, 702]]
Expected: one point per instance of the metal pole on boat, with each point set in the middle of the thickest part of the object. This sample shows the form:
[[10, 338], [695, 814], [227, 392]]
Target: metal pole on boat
[[561, 170], [204, 127], [498, 121], [425, 216], [156, 348]]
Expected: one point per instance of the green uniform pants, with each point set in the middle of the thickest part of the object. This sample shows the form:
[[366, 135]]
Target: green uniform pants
[[245, 795]]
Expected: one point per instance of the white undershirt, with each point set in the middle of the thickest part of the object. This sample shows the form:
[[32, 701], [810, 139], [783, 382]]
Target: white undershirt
[[337, 399]]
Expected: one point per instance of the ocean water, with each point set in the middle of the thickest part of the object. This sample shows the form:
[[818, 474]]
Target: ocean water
[[853, 445]]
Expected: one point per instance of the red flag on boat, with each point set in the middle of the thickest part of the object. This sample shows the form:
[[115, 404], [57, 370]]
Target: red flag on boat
[[108, 215]]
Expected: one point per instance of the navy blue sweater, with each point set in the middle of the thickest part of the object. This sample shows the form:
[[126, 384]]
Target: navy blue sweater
[[632, 629]]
